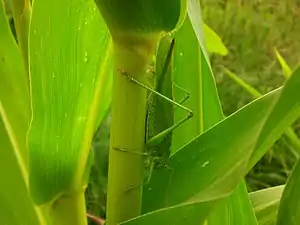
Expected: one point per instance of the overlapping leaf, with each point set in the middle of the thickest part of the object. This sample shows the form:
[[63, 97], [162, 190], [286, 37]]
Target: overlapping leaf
[[69, 60], [193, 73], [14, 122], [289, 208], [265, 204]]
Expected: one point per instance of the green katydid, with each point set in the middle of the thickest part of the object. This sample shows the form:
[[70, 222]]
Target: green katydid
[[160, 112]]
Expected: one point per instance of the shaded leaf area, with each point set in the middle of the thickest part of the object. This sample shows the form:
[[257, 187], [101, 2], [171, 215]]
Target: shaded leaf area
[[96, 193], [68, 82], [265, 204], [15, 203]]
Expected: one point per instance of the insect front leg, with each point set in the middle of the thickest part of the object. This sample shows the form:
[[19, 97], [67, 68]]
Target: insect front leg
[[129, 151]]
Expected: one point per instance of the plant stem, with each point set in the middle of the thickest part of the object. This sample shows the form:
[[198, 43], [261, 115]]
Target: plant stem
[[128, 129], [69, 210]]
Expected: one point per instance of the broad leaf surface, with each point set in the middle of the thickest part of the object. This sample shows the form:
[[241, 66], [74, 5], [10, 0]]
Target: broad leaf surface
[[191, 64], [265, 203], [69, 61], [289, 208], [15, 204]]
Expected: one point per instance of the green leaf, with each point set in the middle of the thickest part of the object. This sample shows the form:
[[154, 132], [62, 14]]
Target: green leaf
[[253, 128], [213, 42], [193, 73], [14, 122], [289, 133], [15, 203], [237, 209], [240, 195], [194, 213], [285, 67], [69, 62], [14, 91], [289, 208], [265, 203]]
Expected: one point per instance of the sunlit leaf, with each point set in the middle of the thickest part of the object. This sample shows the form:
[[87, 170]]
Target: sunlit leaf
[[67, 84], [265, 203], [213, 42], [285, 67]]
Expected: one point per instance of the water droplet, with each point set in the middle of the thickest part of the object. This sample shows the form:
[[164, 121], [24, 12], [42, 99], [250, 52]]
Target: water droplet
[[66, 114], [86, 22], [53, 75], [85, 57], [81, 118], [80, 85], [34, 31], [205, 164], [150, 189], [93, 79], [181, 53]]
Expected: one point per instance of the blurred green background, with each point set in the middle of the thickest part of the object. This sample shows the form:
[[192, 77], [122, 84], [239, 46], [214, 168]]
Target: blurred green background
[[250, 30]]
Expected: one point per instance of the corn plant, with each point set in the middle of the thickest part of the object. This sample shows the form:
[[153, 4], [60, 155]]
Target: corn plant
[[71, 61]]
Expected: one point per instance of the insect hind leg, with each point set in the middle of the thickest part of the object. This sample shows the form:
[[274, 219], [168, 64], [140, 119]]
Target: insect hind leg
[[187, 94], [145, 183]]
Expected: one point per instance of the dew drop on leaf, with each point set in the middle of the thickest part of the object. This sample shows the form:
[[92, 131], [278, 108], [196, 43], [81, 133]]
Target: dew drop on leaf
[[205, 164], [85, 57]]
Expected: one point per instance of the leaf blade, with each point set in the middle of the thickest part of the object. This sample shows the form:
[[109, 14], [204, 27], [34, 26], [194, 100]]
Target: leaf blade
[[66, 89]]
